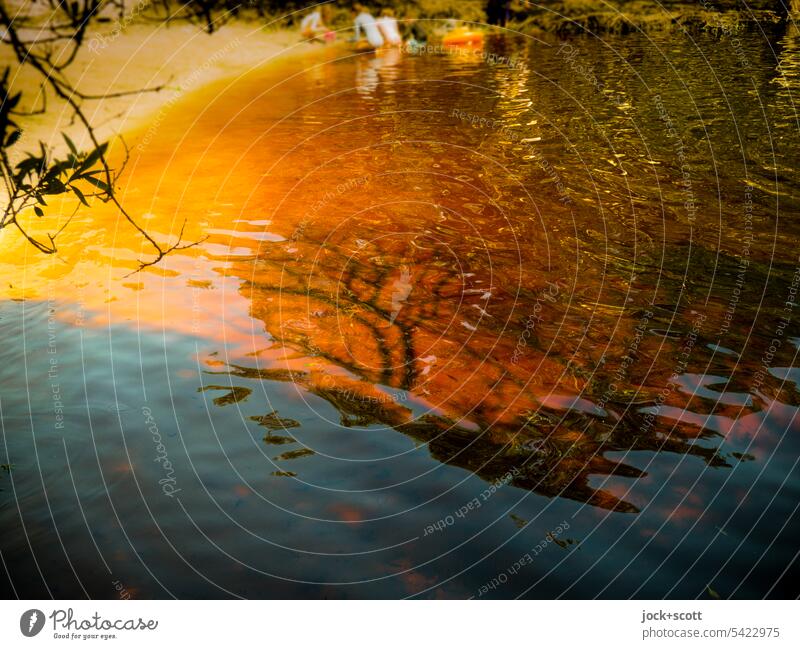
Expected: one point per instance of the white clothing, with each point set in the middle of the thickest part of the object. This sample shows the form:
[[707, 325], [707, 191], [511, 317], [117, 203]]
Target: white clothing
[[366, 22], [388, 27], [312, 22]]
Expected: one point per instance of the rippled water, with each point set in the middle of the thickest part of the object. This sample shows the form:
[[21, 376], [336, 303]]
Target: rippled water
[[506, 322]]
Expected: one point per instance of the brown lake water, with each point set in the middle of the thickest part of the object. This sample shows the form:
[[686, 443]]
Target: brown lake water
[[509, 322]]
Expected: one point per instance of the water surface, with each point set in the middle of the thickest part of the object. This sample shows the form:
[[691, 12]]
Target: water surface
[[506, 322]]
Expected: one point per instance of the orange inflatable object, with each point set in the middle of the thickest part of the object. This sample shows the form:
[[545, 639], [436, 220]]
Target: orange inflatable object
[[463, 36]]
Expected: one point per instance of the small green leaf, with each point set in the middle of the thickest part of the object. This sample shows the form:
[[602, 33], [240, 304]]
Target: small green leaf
[[93, 157], [12, 101], [27, 164], [80, 195], [87, 174], [13, 138], [38, 210], [98, 183], [70, 144], [55, 186]]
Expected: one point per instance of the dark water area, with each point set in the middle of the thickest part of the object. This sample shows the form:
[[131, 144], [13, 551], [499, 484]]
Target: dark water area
[[509, 322]]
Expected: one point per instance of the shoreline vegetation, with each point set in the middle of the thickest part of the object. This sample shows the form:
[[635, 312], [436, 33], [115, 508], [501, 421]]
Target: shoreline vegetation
[[719, 17], [118, 66]]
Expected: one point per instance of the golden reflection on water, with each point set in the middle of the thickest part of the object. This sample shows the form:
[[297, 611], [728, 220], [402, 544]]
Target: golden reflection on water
[[356, 239]]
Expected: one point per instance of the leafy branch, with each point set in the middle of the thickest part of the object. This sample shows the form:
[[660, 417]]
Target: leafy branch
[[30, 182]]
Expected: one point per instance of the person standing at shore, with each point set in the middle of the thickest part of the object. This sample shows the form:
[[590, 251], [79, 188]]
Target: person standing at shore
[[387, 23], [365, 21]]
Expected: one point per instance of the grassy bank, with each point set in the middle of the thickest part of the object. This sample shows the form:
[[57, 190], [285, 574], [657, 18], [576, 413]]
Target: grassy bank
[[620, 17]]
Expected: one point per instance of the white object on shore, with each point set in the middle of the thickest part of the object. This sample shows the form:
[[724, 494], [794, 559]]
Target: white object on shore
[[389, 30], [311, 23], [366, 22]]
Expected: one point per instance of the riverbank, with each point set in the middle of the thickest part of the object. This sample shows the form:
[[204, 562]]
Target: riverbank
[[140, 70]]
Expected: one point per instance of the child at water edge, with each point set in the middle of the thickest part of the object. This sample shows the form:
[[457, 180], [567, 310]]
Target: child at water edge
[[313, 25], [387, 23], [365, 21]]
